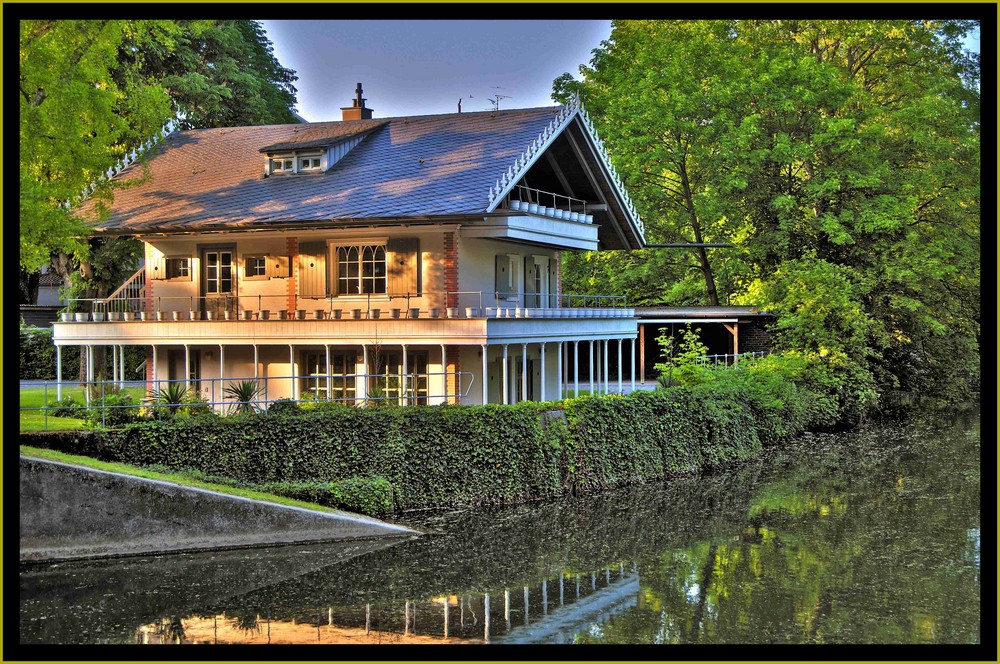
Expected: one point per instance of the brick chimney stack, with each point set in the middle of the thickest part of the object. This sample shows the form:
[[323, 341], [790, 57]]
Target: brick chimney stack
[[357, 111]]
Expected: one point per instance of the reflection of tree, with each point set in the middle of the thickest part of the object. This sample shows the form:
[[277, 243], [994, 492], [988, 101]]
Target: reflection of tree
[[248, 623], [170, 630]]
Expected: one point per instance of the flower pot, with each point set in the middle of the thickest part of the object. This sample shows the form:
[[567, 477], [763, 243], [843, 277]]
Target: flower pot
[[395, 312], [81, 316], [588, 218], [175, 315], [435, 312], [195, 315], [300, 314], [414, 312], [98, 316], [319, 314], [565, 214], [335, 314], [515, 205], [355, 314], [452, 312], [66, 316], [128, 315], [227, 314], [574, 216], [282, 314], [533, 208], [265, 314], [209, 315], [374, 314], [518, 312], [491, 312], [550, 212], [247, 314], [471, 312]]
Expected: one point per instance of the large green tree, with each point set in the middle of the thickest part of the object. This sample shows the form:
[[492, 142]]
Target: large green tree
[[840, 157]]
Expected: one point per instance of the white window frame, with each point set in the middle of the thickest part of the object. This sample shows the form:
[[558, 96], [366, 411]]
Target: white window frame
[[333, 259], [246, 267], [185, 274], [542, 287]]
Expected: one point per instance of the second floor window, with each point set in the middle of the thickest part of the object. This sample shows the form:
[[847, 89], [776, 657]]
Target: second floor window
[[361, 269], [178, 268]]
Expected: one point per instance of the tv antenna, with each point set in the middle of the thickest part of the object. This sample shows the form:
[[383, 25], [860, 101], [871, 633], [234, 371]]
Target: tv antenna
[[495, 99]]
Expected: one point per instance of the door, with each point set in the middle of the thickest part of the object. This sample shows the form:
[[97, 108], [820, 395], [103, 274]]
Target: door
[[218, 281]]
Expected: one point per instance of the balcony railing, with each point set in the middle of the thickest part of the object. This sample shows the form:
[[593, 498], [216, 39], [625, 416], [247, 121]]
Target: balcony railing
[[370, 307], [547, 204]]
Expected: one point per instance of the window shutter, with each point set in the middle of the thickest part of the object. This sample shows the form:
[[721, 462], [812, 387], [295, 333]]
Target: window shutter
[[277, 266], [312, 269], [503, 279], [158, 268], [530, 297], [553, 282], [403, 265]]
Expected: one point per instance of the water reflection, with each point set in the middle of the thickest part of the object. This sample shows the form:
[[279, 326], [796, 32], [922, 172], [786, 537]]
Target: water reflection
[[871, 537]]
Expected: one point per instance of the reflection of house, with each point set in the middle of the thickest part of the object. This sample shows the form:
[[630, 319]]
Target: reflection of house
[[315, 255], [44, 311]]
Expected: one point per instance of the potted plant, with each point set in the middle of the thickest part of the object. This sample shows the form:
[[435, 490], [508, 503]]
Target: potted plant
[[452, 312], [471, 312], [282, 314], [128, 315], [335, 314], [319, 314], [434, 312], [98, 316], [300, 314], [175, 315], [209, 315], [81, 316], [414, 312], [66, 316], [227, 314], [395, 312], [247, 314], [373, 314], [356, 314], [194, 314], [265, 314]]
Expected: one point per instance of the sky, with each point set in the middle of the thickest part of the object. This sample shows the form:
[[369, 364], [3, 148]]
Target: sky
[[425, 67], [417, 67]]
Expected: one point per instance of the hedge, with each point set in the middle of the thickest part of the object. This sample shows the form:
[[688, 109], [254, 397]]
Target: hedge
[[381, 459]]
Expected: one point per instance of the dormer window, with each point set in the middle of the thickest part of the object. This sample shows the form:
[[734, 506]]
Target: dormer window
[[309, 163], [282, 165], [295, 162]]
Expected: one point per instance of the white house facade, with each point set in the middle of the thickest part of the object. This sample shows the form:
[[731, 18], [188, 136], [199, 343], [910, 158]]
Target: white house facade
[[414, 259]]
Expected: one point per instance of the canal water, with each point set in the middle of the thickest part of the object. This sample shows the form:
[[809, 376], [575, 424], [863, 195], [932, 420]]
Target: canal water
[[870, 536]]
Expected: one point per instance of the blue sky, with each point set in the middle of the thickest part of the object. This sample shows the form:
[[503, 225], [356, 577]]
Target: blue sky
[[424, 67]]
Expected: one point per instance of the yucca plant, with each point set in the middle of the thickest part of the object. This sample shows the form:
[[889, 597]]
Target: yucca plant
[[243, 393], [171, 397]]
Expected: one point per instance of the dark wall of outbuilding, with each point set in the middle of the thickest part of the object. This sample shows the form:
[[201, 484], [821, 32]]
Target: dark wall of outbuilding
[[754, 336]]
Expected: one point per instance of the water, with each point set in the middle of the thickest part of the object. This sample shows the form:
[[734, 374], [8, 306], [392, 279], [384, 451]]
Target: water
[[865, 537]]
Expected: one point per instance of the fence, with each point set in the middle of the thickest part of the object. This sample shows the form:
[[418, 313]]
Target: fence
[[728, 359], [257, 394]]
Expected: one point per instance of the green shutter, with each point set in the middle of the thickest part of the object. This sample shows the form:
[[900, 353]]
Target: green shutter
[[312, 269], [553, 281], [502, 279], [530, 297], [403, 265]]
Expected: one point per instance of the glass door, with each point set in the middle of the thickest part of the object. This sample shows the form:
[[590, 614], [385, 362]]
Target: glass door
[[218, 282]]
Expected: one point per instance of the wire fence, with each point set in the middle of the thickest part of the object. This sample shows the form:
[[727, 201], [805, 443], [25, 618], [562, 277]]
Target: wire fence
[[728, 359], [115, 403]]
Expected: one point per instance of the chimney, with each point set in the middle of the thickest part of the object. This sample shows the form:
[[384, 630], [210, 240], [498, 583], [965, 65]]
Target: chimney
[[357, 111]]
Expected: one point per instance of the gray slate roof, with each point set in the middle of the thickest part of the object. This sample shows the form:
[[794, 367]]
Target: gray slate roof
[[405, 167]]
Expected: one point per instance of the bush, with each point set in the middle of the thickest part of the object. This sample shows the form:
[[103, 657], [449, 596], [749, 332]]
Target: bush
[[284, 407], [68, 406], [115, 410], [368, 495]]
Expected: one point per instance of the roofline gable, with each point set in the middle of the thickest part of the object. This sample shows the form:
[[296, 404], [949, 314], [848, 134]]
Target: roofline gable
[[508, 179]]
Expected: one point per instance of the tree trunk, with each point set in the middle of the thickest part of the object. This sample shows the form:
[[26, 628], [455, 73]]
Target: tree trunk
[[701, 252], [28, 287]]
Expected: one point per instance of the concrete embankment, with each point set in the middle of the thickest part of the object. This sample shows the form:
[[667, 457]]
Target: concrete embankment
[[70, 512]]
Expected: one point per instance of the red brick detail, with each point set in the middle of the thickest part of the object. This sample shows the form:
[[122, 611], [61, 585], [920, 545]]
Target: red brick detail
[[452, 369], [451, 270], [293, 276], [148, 290], [149, 370]]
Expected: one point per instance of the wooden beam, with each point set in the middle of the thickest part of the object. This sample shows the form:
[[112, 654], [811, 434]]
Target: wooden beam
[[559, 174]]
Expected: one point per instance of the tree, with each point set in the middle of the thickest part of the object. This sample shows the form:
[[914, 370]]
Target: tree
[[840, 157]]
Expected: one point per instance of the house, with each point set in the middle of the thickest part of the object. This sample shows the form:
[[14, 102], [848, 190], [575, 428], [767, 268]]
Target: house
[[410, 258]]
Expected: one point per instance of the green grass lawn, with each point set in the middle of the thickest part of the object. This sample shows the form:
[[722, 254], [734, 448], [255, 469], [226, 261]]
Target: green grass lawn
[[178, 478], [35, 420]]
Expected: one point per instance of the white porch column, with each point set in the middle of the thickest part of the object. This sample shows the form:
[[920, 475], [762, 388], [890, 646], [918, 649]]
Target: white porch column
[[187, 367], [444, 372], [329, 371], [541, 393], [620, 365], [222, 373], [59, 373], [592, 362], [155, 384], [486, 382], [559, 373], [291, 370], [256, 363], [524, 372], [122, 364], [364, 375], [604, 361], [404, 383], [114, 366], [506, 393], [632, 346], [576, 368]]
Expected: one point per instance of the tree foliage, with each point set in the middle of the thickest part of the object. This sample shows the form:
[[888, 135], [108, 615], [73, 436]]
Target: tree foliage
[[841, 158]]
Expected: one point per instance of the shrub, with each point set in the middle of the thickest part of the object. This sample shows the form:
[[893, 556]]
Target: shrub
[[68, 406], [284, 407], [114, 410], [368, 495], [244, 393]]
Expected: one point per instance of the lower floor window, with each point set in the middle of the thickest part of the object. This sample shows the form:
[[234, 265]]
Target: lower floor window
[[341, 378]]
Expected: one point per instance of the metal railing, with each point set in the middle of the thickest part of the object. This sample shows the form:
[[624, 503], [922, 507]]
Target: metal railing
[[202, 394], [469, 304], [130, 296], [548, 204], [727, 359]]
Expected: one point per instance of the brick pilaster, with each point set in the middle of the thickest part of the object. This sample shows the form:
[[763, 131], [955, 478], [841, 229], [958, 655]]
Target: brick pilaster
[[293, 276], [451, 269], [148, 290], [149, 369]]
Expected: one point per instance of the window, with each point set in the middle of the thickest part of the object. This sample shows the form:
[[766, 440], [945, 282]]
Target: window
[[255, 267], [282, 165], [341, 379], [218, 272], [177, 268], [309, 164], [361, 269]]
